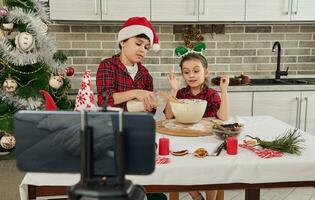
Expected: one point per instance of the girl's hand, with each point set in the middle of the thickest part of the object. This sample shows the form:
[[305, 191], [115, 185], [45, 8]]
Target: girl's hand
[[224, 82], [173, 82]]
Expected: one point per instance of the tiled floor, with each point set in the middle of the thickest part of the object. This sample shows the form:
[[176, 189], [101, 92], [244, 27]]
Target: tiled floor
[[303, 193]]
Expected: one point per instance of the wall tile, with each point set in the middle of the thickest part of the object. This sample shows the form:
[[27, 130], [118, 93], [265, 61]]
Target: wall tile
[[87, 29]]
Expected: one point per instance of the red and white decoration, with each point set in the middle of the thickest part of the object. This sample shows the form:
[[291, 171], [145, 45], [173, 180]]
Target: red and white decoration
[[56, 82], [85, 98], [263, 153], [136, 26]]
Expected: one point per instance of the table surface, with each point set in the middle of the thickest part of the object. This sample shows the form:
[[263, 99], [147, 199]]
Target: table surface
[[245, 167]]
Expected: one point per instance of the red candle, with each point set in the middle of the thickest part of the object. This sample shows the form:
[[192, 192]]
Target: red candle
[[164, 146], [231, 145]]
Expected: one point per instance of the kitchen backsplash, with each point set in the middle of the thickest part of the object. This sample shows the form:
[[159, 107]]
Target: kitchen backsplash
[[241, 49]]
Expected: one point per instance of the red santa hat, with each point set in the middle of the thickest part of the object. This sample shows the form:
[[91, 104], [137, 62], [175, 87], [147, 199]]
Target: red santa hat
[[139, 25]]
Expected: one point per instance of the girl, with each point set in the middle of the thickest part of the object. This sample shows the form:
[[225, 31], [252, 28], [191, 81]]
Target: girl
[[122, 77], [194, 71]]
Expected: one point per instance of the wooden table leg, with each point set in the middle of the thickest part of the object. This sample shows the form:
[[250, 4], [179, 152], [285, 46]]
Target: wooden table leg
[[220, 195], [174, 195], [252, 194]]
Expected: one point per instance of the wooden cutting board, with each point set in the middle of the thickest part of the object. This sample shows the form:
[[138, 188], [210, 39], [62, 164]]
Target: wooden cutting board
[[171, 127]]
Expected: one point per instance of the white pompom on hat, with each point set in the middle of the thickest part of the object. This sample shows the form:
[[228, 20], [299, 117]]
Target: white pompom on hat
[[139, 25]]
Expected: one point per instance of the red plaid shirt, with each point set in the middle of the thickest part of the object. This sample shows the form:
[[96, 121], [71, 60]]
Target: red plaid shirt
[[112, 76], [212, 96]]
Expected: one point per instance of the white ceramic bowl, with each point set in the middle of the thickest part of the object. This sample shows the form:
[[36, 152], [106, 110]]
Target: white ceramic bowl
[[189, 110]]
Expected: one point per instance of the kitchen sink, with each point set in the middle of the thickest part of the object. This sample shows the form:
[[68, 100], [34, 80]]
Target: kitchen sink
[[284, 81]]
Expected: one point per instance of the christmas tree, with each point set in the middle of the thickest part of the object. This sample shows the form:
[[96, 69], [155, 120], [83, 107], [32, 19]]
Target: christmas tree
[[29, 62]]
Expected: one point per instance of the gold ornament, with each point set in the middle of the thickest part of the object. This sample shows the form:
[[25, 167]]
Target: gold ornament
[[10, 85]]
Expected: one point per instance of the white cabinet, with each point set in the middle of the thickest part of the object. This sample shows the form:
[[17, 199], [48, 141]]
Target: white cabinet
[[303, 10], [284, 106], [96, 10], [240, 103], [268, 10], [221, 10], [198, 10], [75, 10], [280, 10], [307, 116], [174, 10], [120, 10]]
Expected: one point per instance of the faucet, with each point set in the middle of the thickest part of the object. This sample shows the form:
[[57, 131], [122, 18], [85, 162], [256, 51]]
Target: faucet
[[279, 73]]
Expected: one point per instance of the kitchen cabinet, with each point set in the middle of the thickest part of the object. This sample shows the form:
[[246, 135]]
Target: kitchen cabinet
[[175, 10], [240, 103], [303, 10], [307, 108], [280, 10], [124, 9], [284, 106], [75, 10], [221, 10], [109, 10], [198, 10]]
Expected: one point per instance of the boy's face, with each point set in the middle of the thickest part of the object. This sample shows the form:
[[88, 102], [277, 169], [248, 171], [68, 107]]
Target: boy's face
[[135, 49], [194, 73]]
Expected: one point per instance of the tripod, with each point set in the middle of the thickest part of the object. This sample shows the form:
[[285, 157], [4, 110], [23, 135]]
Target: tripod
[[103, 188]]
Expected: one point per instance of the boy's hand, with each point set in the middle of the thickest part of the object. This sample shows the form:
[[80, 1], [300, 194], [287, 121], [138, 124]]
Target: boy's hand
[[148, 98], [172, 81], [224, 83]]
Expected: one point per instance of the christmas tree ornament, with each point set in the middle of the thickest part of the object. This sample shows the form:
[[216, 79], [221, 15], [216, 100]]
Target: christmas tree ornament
[[24, 41], [69, 71], [43, 29], [3, 12], [7, 26], [7, 142], [56, 82], [2, 33], [85, 98], [49, 101], [10, 85]]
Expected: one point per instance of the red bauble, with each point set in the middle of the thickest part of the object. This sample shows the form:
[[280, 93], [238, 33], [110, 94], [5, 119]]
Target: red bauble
[[69, 71]]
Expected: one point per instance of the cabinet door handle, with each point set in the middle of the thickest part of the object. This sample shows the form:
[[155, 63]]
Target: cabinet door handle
[[286, 12], [297, 8], [203, 8], [96, 7], [105, 7], [297, 112], [305, 116], [195, 7]]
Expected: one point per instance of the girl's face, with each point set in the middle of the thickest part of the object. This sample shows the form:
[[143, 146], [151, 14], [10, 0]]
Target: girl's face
[[135, 49], [194, 73]]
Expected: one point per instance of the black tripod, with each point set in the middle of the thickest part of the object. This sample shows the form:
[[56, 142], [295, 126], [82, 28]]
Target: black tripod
[[103, 188]]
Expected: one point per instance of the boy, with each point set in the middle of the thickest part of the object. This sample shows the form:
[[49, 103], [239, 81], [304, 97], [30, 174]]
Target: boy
[[122, 76]]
